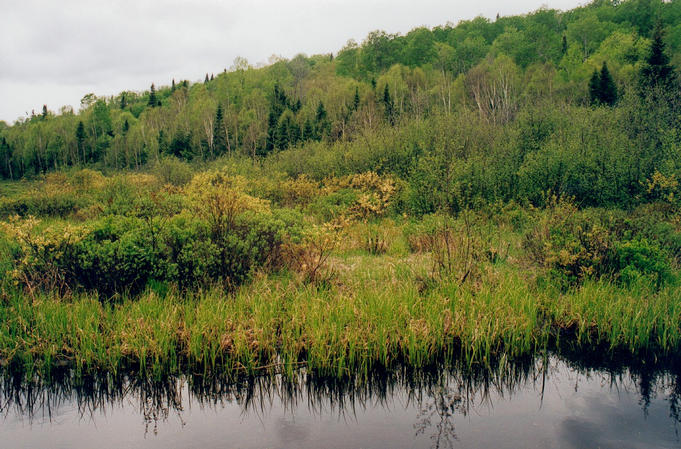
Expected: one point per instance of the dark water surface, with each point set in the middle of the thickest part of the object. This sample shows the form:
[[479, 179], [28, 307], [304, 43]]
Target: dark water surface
[[547, 403]]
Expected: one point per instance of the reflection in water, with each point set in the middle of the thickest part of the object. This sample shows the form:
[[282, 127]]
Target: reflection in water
[[436, 397]]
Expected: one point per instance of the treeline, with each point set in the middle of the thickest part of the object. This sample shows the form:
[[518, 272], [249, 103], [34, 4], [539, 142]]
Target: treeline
[[583, 102]]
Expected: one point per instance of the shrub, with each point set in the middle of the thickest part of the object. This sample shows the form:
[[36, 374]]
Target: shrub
[[171, 170], [333, 205], [575, 245], [43, 204], [42, 255], [118, 255], [298, 192], [309, 257], [640, 258], [455, 247]]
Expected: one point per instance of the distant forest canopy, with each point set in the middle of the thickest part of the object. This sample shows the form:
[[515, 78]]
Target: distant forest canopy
[[583, 102]]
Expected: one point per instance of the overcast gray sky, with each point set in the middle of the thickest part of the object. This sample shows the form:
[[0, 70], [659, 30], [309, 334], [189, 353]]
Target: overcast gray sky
[[54, 52]]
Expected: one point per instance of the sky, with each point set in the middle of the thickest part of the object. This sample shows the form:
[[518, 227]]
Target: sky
[[55, 52]]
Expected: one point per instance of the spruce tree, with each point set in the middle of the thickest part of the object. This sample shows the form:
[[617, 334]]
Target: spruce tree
[[80, 139], [126, 126], [322, 122], [657, 71], [321, 113], [123, 101], [44, 115], [355, 101], [308, 130], [607, 88], [272, 121], [219, 133], [205, 81], [172, 86], [388, 104], [295, 134], [153, 101], [564, 46], [297, 106], [282, 134]]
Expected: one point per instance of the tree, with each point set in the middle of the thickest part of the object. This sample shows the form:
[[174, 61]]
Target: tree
[[355, 101], [172, 86], [308, 131], [44, 115], [219, 133], [153, 100], [123, 101], [657, 71], [388, 105], [608, 90], [602, 89], [80, 139], [322, 122]]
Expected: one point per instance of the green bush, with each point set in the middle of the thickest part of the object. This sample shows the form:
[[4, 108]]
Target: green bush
[[40, 204], [118, 255], [171, 170], [334, 204], [639, 258]]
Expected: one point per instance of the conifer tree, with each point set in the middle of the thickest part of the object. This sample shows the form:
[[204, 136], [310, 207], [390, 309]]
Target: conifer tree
[[80, 139], [153, 101], [126, 126], [172, 86], [321, 113], [205, 81], [657, 71], [388, 104], [123, 101], [308, 130], [44, 115], [322, 122], [271, 140], [355, 101], [607, 88], [297, 106], [564, 46], [219, 133], [295, 133]]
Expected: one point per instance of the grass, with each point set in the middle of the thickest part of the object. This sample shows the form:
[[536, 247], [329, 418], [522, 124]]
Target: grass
[[373, 315]]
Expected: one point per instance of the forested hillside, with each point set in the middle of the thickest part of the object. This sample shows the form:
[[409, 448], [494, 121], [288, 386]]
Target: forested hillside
[[583, 102]]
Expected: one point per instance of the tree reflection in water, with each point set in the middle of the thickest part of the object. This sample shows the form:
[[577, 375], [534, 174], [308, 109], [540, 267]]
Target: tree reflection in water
[[439, 394]]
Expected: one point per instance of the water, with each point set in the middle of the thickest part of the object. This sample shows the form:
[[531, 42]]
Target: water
[[545, 403]]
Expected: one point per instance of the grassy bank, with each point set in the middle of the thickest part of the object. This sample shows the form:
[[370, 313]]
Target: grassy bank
[[375, 317]]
